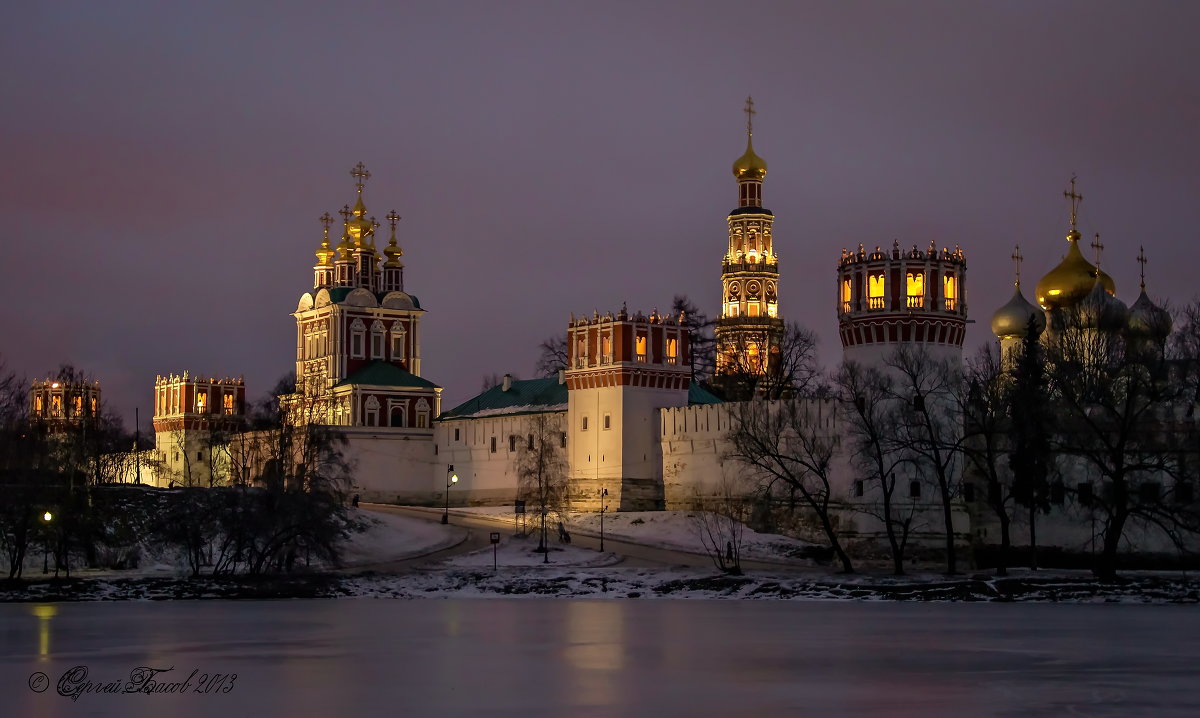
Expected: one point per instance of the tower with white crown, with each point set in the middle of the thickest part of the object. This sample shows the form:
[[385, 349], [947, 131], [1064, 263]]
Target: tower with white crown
[[749, 329]]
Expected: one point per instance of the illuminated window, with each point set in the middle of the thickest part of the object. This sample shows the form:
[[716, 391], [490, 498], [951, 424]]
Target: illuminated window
[[640, 348], [77, 405], [38, 406], [201, 402], [93, 406], [845, 295], [950, 291], [752, 309], [753, 357], [672, 351], [56, 405], [915, 283], [227, 403], [875, 291], [581, 353], [606, 348]]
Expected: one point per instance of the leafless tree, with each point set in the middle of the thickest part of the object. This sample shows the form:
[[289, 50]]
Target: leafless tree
[[720, 521], [867, 399], [771, 362], [927, 394], [541, 470], [702, 345], [792, 442], [552, 356]]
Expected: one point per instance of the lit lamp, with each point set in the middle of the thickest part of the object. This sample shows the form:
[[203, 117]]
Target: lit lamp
[[47, 517], [451, 479]]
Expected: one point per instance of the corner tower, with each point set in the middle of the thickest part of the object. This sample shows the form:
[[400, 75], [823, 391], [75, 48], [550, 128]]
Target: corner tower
[[749, 329], [912, 297]]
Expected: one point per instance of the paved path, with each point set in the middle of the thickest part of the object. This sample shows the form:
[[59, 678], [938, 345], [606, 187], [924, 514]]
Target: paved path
[[633, 555]]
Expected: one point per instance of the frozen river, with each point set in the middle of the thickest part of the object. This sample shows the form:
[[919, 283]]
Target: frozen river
[[602, 658]]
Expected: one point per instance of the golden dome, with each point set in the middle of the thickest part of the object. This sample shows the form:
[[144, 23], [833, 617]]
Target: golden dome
[[749, 165], [393, 254], [324, 254], [1012, 320], [1068, 283]]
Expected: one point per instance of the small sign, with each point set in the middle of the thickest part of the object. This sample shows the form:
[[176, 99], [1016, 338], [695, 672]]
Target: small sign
[[495, 537], [519, 507]]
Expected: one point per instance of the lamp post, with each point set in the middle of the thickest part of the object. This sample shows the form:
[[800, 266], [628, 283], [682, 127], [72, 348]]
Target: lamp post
[[603, 508], [47, 517], [451, 479]]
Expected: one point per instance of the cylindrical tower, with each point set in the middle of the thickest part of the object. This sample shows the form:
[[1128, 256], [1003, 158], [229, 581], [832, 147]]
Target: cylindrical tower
[[888, 299]]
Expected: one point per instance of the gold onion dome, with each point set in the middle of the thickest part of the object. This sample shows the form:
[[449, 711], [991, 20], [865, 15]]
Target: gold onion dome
[[1148, 320], [324, 253], [1012, 320], [750, 166], [393, 253], [1067, 284]]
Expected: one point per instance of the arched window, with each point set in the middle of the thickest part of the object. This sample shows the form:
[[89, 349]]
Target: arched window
[[201, 402], [950, 292], [846, 295], [357, 339], [672, 351], [372, 407], [377, 340], [875, 288], [397, 417], [422, 414], [915, 284], [640, 348]]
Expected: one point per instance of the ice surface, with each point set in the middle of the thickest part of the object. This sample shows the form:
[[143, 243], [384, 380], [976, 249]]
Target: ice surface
[[612, 658]]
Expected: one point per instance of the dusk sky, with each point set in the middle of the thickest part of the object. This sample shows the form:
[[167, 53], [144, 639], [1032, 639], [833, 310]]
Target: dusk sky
[[166, 163]]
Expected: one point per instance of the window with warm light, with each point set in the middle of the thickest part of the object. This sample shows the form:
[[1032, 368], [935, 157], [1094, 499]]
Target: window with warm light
[[606, 348], [581, 353], [672, 351], [77, 405], [93, 406], [227, 403], [950, 291], [640, 348], [201, 402], [875, 288], [846, 295], [915, 284], [38, 407]]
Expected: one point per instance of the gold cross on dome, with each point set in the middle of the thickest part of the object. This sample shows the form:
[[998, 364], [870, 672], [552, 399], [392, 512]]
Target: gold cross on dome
[[345, 212], [326, 220], [750, 113], [1096, 245], [360, 175], [1075, 198], [1142, 261], [1016, 258], [392, 219]]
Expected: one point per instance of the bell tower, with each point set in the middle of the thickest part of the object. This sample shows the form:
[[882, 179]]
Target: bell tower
[[749, 329]]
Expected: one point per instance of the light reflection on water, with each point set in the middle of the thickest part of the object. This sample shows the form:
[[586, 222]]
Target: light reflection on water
[[528, 657]]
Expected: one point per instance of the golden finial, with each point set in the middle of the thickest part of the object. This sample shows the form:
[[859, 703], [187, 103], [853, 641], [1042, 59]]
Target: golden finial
[[326, 220], [392, 219], [1142, 261], [1096, 245], [1016, 258], [360, 175], [345, 212], [750, 113], [1075, 198]]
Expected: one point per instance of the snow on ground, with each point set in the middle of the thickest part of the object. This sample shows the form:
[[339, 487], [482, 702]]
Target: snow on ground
[[522, 552], [674, 530], [390, 537]]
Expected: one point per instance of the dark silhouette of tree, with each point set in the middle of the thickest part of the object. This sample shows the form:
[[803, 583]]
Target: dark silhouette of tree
[[986, 427], [701, 343], [552, 356]]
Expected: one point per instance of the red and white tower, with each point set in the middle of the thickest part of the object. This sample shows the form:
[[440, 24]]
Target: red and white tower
[[911, 297]]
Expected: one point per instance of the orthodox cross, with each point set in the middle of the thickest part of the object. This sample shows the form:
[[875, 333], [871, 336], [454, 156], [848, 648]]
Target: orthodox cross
[[1016, 258], [326, 220], [392, 219], [345, 212], [1075, 198], [360, 175], [750, 113], [1096, 245], [1142, 261]]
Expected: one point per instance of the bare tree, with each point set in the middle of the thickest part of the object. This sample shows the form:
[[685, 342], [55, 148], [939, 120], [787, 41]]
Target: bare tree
[[866, 398], [791, 441], [541, 470], [552, 356], [771, 362], [702, 345], [720, 522], [929, 427]]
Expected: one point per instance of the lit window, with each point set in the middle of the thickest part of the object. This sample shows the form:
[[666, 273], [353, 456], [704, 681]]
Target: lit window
[[606, 348], [752, 309], [201, 402], [56, 405], [77, 405], [845, 295], [93, 406], [950, 292], [672, 351], [915, 283], [875, 291], [640, 348], [38, 407], [227, 403]]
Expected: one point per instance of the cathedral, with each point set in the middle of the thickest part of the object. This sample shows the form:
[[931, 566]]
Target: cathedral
[[633, 429]]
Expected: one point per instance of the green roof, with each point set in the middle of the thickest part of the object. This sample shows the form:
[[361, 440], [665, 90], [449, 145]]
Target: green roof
[[524, 396], [338, 294], [699, 395], [530, 396], [381, 373]]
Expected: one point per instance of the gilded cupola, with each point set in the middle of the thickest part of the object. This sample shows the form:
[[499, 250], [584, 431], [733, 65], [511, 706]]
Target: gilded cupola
[[750, 166], [1071, 281]]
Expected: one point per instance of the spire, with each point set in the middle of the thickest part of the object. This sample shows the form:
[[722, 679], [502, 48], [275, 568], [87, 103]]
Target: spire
[[361, 175], [1096, 245], [393, 251], [1017, 258], [1076, 199], [1141, 258]]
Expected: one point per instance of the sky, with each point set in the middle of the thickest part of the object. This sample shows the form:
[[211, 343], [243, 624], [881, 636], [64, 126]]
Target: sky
[[166, 162]]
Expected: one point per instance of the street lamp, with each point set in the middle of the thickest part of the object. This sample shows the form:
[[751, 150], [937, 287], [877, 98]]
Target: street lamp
[[47, 517], [451, 479], [603, 497]]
